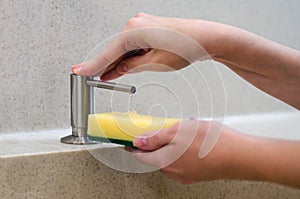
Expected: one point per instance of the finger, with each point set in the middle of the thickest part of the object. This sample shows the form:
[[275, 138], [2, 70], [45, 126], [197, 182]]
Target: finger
[[115, 63], [133, 150], [128, 148], [110, 67], [156, 139], [115, 72], [118, 47], [167, 151], [159, 158], [134, 65], [153, 158], [152, 60], [112, 74], [125, 56], [99, 63], [119, 68], [149, 60]]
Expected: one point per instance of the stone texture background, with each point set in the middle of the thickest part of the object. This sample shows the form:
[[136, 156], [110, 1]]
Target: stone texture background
[[40, 40], [79, 175]]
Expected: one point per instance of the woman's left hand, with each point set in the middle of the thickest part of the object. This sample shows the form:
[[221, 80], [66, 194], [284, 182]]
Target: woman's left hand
[[176, 151]]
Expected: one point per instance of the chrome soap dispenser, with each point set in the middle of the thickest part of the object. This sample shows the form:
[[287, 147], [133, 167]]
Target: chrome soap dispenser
[[82, 104]]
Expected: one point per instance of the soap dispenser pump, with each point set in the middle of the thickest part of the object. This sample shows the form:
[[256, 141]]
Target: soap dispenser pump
[[82, 104]]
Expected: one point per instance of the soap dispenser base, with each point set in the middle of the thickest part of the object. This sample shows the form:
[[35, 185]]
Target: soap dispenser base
[[71, 139]]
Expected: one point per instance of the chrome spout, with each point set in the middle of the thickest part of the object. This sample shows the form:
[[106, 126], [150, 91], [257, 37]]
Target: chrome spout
[[111, 86]]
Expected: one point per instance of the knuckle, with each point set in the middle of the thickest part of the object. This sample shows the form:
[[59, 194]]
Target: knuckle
[[155, 140], [133, 23], [127, 45], [140, 14], [176, 126], [174, 129]]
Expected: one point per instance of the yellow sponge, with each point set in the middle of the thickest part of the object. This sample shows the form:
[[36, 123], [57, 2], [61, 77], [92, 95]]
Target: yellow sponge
[[121, 128]]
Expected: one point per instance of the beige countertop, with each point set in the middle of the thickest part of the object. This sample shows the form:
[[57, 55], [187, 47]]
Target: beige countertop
[[277, 125], [37, 165]]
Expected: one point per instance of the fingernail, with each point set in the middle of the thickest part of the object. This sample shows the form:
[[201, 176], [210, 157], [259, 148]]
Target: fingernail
[[140, 142], [122, 68], [76, 68]]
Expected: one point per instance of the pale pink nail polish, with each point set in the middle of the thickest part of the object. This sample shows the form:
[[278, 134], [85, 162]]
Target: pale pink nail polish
[[76, 68], [140, 142]]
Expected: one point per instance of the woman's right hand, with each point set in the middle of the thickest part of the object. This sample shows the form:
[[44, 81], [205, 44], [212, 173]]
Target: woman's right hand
[[162, 44], [151, 43]]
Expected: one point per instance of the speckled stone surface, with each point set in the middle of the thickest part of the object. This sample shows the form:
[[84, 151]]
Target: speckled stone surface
[[37, 165], [40, 40], [78, 175], [280, 125]]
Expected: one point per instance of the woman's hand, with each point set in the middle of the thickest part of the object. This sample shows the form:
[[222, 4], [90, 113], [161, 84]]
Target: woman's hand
[[155, 43], [177, 153], [152, 43]]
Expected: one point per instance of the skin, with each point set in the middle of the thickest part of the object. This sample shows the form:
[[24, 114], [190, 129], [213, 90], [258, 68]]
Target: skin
[[269, 66], [235, 156]]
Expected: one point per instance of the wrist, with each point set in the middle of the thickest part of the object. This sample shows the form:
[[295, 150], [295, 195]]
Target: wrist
[[240, 154], [261, 159]]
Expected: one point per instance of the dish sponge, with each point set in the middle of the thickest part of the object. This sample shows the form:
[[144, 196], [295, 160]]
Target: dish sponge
[[121, 128]]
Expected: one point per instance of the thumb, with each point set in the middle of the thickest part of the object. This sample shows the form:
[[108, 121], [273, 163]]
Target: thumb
[[95, 65], [123, 43], [156, 139], [118, 47], [124, 66]]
